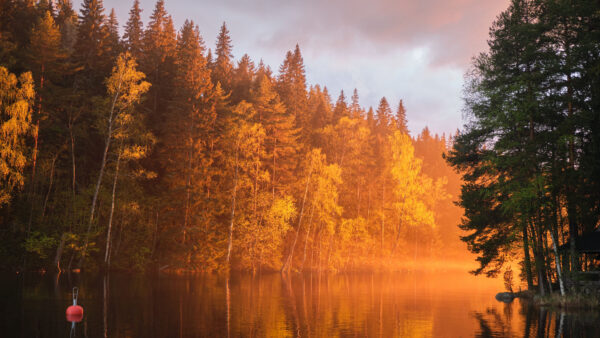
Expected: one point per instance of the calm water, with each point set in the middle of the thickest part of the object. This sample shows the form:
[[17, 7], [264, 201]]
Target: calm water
[[401, 305]]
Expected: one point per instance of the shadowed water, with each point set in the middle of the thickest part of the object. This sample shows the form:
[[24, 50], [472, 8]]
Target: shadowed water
[[320, 305]]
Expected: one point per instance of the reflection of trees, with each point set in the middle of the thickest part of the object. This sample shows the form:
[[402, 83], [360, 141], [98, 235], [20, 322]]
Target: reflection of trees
[[538, 322], [493, 323], [317, 305]]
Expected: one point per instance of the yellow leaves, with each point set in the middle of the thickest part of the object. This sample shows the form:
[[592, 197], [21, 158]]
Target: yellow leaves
[[412, 189], [354, 228], [279, 215], [15, 125], [134, 152], [126, 84]]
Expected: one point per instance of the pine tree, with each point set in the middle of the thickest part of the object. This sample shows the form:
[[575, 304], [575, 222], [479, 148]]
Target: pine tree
[[67, 22], [223, 65], [281, 136], [291, 87], [356, 111], [158, 63], [243, 75], [45, 52], [134, 31], [91, 49], [341, 108], [114, 43], [187, 139], [383, 116], [400, 118]]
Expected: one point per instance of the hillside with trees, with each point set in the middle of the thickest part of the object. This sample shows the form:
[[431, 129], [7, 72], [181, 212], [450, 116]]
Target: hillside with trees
[[148, 150]]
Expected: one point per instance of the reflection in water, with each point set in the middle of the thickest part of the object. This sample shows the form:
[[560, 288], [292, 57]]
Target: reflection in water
[[311, 305], [538, 322]]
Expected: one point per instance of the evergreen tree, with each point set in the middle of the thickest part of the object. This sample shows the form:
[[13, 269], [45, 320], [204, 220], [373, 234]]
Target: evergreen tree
[[281, 136], [223, 65], [158, 63], [356, 110], [187, 140], [291, 86], [67, 22], [134, 31], [243, 76], [400, 118], [383, 116], [114, 43], [91, 49], [341, 108]]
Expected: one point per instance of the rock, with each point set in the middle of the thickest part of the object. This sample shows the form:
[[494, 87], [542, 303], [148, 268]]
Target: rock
[[505, 297]]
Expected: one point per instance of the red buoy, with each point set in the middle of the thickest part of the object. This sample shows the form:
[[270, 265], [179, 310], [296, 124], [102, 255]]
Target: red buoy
[[74, 312]]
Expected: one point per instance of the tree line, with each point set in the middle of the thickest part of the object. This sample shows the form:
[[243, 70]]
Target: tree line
[[148, 150], [530, 152]]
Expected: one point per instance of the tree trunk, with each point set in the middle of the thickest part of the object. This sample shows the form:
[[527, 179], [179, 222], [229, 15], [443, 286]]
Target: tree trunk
[[235, 178], [382, 216], [154, 236], [49, 186], [287, 263], [527, 258], [273, 179], [112, 210], [312, 210], [59, 252], [99, 182], [560, 280]]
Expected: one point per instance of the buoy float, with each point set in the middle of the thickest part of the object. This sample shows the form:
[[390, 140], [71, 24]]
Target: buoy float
[[75, 312]]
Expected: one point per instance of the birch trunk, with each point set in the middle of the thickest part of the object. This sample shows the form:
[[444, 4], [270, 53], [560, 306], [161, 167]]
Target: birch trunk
[[112, 211], [287, 263], [235, 178], [100, 175], [557, 261]]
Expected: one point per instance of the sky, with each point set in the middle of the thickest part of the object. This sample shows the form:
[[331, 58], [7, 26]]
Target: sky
[[417, 51]]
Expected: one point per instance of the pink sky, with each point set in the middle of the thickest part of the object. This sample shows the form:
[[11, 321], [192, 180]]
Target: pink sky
[[417, 51]]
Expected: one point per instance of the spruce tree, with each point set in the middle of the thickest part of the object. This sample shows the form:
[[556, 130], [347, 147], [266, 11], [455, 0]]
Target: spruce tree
[[91, 49], [383, 116], [356, 110], [281, 136], [158, 63], [67, 22], [223, 65], [341, 108], [134, 31], [400, 118], [243, 75], [114, 41]]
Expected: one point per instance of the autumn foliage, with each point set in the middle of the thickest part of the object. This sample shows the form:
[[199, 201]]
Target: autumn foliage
[[151, 151]]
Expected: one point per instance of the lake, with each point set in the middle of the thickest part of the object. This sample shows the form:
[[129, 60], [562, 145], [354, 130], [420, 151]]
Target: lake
[[449, 304]]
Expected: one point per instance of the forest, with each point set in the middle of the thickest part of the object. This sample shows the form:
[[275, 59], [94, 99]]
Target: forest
[[139, 148], [529, 154]]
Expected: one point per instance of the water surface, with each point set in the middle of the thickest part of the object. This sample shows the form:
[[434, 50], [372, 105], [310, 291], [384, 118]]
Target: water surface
[[310, 305]]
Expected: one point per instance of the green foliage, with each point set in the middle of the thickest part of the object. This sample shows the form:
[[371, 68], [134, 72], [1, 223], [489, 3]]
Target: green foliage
[[40, 244], [529, 102]]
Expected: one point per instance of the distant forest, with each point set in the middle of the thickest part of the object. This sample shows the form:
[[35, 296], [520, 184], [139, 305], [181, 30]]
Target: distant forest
[[150, 151]]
